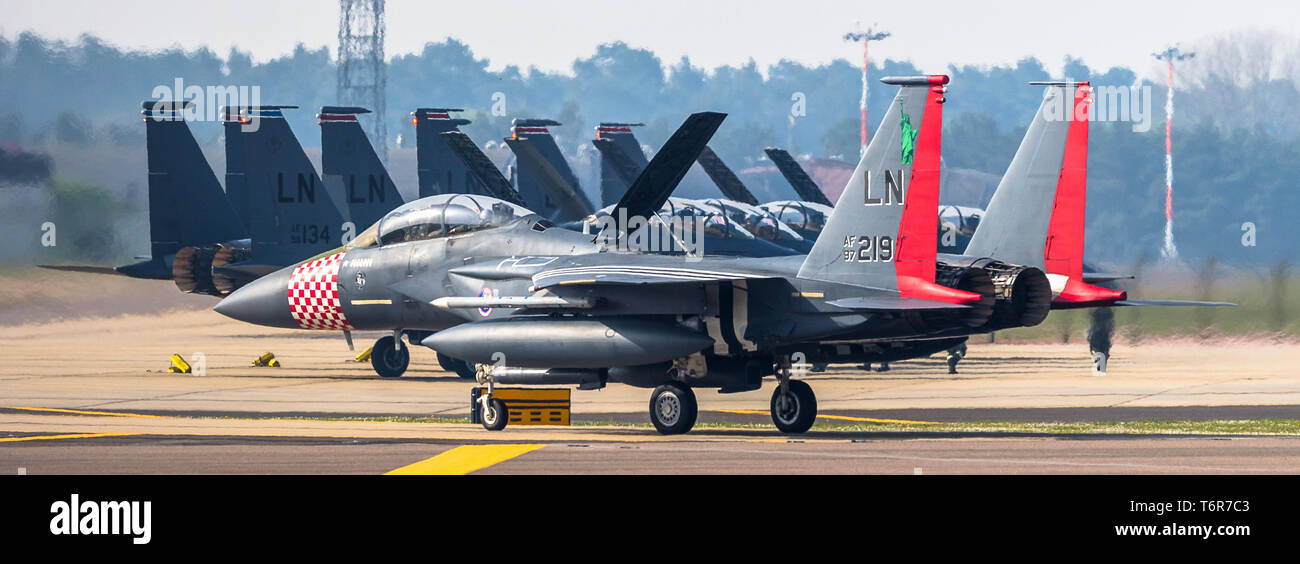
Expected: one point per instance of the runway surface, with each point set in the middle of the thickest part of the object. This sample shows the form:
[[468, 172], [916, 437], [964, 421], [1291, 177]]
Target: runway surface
[[116, 410]]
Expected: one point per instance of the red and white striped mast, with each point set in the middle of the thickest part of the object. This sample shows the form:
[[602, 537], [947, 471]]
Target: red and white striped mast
[[1169, 56], [866, 37]]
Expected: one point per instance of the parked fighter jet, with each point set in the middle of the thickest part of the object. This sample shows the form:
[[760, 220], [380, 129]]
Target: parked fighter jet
[[270, 215], [472, 277]]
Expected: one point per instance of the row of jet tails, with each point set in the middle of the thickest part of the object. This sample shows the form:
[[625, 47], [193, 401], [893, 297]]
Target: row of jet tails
[[522, 280]]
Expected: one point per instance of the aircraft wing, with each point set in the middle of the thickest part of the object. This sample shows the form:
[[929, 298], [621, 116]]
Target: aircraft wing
[[1169, 303]]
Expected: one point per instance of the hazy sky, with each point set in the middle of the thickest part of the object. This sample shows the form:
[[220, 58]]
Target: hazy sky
[[550, 34]]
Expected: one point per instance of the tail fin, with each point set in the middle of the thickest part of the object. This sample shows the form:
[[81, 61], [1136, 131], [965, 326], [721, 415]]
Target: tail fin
[[665, 171], [187, 206], [794, 174], [481, 168], [441, 171], [621, 159], [540, 161], [274, 186], [352, 170], [1036, 216], [726, 180], [883, 232], [530, 187]]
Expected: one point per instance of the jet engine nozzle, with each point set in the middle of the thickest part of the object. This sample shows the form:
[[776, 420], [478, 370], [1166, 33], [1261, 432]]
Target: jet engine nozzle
[[192, 270], [972, 280], [1024, 295]]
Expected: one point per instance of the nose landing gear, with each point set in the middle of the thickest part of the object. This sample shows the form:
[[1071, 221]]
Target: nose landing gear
[[390, 357]]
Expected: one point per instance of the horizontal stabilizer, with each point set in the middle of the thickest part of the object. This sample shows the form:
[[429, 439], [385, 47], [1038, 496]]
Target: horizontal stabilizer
[[893, 303], [1096, 277], [86, 269], [1170, 303]]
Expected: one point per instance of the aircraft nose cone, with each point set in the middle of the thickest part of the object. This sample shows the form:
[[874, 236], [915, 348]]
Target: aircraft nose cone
[[264, 301]]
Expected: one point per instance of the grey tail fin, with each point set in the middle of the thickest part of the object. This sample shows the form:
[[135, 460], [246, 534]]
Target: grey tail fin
[[441, 171], [480, 166], [794, 174], [274, 186], [540, 160], [726, 180], [187, 206], [1015, 224], [351, 169], [660, 177], [621, 159], [883, 232], [530, 187]]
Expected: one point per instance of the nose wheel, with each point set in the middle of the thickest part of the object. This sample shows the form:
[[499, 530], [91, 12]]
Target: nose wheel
[[389, 357], [794, 406], [673, 409]]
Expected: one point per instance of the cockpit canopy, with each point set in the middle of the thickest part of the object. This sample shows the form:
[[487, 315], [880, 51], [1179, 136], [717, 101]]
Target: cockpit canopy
[[444, 215], [807, 216], [756, 220]]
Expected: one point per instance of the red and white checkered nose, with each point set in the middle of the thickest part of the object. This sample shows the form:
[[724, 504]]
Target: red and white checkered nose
[[313, 292], [262, 301]]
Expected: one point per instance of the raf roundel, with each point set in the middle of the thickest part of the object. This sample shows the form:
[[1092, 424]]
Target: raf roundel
[[314, 295]]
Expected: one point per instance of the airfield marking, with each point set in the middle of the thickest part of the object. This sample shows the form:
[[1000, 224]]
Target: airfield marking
[[464, 459], [840, 417], [72, 436], [80, 412]]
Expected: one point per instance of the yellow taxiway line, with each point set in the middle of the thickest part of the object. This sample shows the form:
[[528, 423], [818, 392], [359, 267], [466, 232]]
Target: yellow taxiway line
[[464, 459], [70, 436], [80, 412], [839, 417]]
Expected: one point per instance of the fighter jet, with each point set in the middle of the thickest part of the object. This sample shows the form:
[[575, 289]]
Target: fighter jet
[[210, 241], [496, 285]]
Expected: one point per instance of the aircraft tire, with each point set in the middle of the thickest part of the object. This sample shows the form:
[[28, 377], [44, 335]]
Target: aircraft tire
[[673, 409], [798, 415], [462, 368], [388, 360], [495, 416]]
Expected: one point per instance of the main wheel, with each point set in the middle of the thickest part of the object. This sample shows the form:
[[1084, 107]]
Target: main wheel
[[495, 416], [673, 408], [795, 410], [389, 358], [462, 368]]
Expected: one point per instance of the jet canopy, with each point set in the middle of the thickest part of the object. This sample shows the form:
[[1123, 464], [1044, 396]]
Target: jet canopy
[[756, 220], [438, 216], [808, 216]]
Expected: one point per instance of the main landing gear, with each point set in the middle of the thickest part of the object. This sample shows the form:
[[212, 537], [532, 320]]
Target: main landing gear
[[673, 408], [794, 406], [390, 357]]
